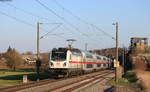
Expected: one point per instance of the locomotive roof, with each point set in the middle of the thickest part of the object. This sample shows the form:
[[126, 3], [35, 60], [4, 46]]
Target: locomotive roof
[[91, 54], [65, 49], [86, 53]]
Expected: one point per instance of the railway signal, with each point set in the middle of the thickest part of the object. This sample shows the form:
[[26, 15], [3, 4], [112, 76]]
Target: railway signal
[[116, 63]]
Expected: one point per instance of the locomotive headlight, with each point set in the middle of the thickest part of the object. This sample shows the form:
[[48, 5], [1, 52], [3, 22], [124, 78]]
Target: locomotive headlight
[[64, 64], [51, 64]]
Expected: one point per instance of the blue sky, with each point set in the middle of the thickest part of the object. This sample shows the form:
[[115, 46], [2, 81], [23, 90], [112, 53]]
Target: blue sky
[[132, 16]]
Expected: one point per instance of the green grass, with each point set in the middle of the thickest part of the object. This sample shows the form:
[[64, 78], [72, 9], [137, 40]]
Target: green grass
[[10, 73], [8, 78], [122, 81], [4, 83], [128, 79], [130, 76]]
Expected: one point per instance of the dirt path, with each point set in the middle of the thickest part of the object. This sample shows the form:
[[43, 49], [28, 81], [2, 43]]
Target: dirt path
[[141, 73], [144, 78]]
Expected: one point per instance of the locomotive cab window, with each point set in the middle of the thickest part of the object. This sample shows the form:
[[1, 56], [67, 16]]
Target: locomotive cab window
[[59, 55]]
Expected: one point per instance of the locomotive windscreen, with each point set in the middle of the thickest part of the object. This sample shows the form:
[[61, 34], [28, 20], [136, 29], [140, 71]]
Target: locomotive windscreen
[[59, 54]]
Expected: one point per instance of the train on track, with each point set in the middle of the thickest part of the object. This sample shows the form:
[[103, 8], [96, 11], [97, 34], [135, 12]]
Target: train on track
[[72, 61]]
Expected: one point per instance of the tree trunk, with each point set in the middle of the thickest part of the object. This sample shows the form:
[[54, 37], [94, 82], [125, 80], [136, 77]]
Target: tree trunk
[[14, 68]]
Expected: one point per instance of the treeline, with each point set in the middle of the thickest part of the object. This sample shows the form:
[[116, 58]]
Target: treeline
[[13, 59]]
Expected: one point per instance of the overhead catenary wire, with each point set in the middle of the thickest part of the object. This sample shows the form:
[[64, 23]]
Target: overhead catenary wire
[[50, 31], [32, 14], [15, 18], [60, 17], [71, 13], [103, 31], [82, 20], [27, 23], [27, 12], [24, 22]]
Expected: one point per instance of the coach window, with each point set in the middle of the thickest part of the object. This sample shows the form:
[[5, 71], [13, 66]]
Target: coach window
[[104, 58], [99, 58], [89, 66], [89, 56], [76, 53], [104, 65], [98, 65], [107, 59]]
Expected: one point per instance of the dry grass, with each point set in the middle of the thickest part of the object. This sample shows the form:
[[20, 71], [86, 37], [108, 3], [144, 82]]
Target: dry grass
[[141, 73], [5, 83], [139, 64], [144, 78]]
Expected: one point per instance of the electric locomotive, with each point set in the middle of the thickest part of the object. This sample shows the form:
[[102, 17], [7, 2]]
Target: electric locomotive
[[72, 61]]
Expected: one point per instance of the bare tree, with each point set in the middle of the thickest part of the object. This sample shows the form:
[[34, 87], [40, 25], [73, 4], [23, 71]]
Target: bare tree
[[13, 58], [9, 49], [45, 60]]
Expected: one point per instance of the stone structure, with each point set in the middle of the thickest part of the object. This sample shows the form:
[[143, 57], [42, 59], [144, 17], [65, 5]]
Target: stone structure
[[138, 45]]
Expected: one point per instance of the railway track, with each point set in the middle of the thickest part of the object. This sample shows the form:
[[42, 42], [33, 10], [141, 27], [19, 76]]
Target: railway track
[[26, 85], [58, 85], [75, 85]]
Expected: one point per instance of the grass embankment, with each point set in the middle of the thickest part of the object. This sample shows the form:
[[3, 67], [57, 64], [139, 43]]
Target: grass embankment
[[8, 78], [128, 79]]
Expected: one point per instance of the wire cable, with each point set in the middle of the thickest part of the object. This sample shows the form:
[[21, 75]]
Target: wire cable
[[24, 22], [50, 10], [82, 20], [71, 13], [27, 12], [14, 18], [50, 31], [103, 31]]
